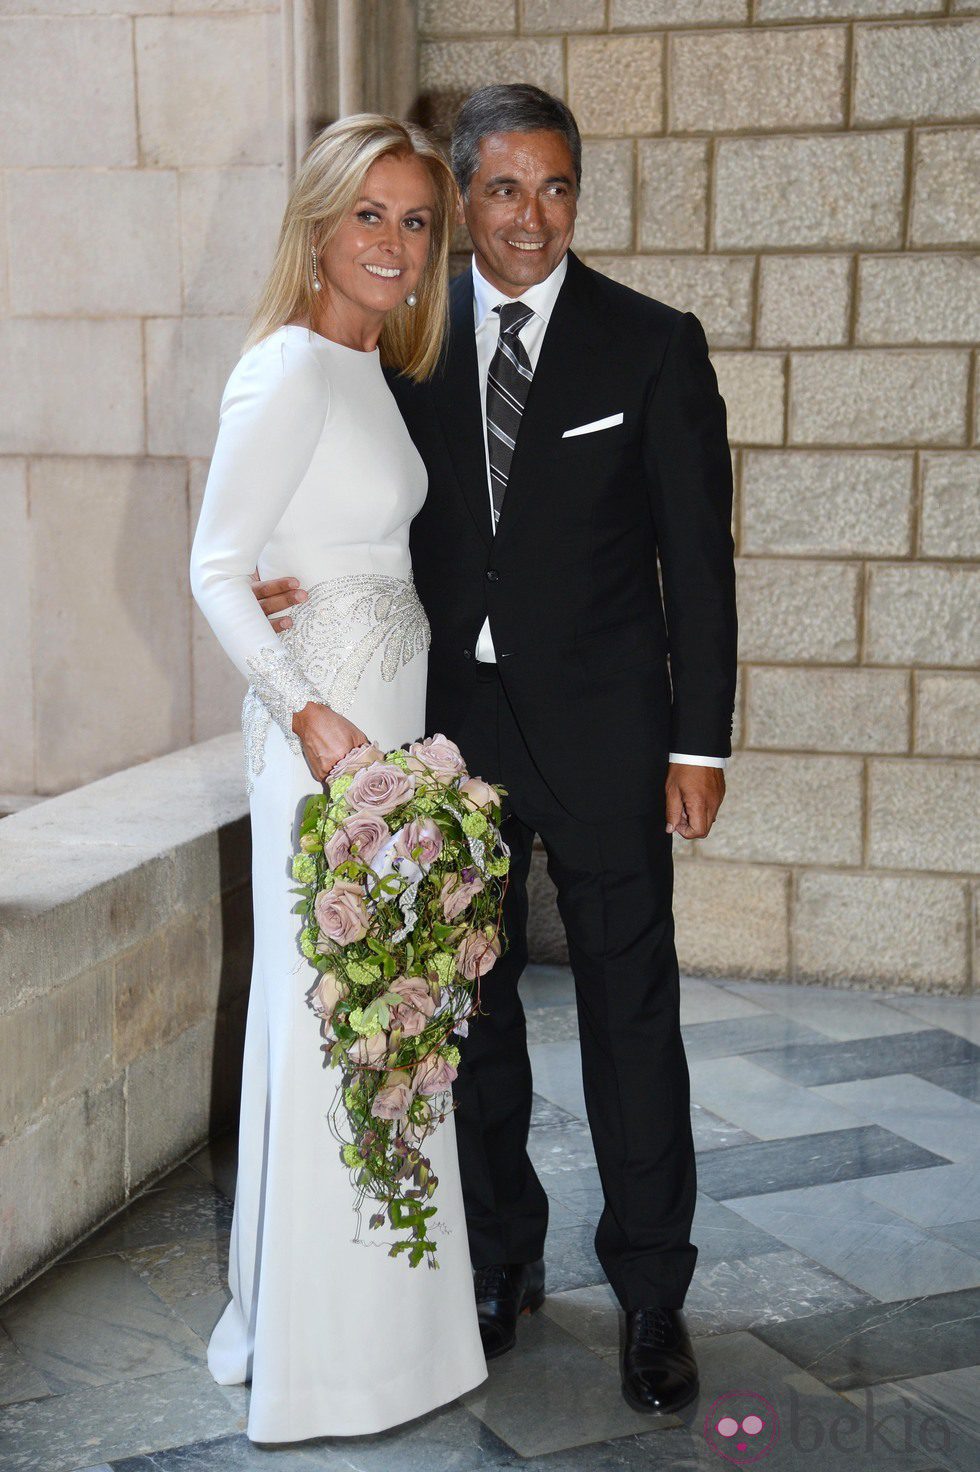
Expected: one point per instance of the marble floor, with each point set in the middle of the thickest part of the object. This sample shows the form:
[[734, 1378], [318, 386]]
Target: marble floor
[[837, 1296]]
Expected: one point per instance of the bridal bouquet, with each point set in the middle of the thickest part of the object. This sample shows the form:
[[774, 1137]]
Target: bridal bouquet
[[402, 872]]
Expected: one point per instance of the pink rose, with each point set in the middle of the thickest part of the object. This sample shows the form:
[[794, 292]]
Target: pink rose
[[477, 954], [327, 993], [369, 1052], [380, 788], [368, 832], [416, 1007], [438, 755], [361, 756], [433, 1076], [477, 794], [394, 1100], [457, 891], [341, 914], [423, 834]]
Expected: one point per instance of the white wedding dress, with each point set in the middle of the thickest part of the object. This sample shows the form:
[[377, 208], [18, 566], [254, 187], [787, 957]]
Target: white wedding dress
[[314, 475]]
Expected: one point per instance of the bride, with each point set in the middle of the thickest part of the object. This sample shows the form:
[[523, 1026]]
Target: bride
[[314, 474]]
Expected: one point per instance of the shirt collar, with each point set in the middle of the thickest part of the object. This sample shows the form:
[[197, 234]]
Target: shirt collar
[[540, 298]]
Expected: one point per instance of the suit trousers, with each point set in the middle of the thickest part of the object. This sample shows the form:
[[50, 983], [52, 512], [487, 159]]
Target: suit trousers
[[614, 882]]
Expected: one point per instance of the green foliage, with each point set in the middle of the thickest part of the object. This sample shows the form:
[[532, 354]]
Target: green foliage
[[407, 937]]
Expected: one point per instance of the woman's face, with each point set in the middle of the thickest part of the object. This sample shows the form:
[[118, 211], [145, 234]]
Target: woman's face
[[376, 257]]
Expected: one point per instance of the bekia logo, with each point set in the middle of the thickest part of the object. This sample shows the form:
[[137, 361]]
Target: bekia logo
[[742, 1426]]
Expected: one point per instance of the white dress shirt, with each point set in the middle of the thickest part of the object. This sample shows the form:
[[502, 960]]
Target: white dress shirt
[[541, 299]]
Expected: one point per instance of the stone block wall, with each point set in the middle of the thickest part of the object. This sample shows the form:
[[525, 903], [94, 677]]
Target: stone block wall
[[804, 175], [142, 174], [125, 953]]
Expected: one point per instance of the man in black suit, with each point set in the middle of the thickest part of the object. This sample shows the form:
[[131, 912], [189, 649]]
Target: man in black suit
[[575, 443]]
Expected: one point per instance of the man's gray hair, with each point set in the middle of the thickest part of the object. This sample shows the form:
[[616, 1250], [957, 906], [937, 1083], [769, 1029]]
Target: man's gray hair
[[514, 107]]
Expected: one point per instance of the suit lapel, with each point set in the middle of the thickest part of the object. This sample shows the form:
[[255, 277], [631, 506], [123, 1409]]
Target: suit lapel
[[567, 361], [458, 399]]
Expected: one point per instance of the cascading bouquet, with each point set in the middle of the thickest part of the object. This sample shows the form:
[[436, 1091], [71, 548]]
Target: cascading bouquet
[[402, 872]]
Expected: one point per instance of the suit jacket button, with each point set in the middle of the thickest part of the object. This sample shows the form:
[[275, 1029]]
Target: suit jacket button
[[467, 654], [493, 576]]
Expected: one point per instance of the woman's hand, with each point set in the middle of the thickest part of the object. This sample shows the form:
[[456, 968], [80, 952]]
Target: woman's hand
[[325, 737]]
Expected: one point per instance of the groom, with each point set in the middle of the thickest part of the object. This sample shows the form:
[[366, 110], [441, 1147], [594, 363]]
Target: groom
[[575, 444]]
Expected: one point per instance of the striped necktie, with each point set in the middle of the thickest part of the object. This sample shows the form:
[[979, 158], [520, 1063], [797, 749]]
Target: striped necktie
[[508, 381]]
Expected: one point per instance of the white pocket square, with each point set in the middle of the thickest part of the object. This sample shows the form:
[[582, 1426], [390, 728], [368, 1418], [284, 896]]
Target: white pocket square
[[606, 423]]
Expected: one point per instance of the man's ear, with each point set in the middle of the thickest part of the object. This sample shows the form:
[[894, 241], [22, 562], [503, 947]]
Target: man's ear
[[460, 210]]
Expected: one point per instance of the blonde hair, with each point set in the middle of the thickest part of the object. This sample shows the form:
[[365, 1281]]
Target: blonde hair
[[328, 185]]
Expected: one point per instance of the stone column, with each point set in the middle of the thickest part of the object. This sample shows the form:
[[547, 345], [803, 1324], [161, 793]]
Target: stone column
[[350, 56]]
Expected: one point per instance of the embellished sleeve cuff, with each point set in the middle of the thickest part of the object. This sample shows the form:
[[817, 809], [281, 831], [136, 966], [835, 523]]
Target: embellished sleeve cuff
[[282, 687]]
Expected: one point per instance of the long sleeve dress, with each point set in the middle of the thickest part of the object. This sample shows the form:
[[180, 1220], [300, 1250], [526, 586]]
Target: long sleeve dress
[[314, 475]]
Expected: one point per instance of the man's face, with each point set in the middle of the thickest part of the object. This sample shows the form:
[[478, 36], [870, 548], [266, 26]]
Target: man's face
[[521, 208]]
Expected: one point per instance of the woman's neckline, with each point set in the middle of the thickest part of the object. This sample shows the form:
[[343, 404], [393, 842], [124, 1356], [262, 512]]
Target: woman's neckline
[[319, 336]]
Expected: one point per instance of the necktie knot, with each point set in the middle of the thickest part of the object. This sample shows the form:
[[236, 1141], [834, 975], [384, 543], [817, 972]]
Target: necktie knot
[[513, 316]]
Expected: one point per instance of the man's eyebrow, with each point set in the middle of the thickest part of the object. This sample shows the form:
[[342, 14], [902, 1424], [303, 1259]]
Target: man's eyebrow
[[508, 179]]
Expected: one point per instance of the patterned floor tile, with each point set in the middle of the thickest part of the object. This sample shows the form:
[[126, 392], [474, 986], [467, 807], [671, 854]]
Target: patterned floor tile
[[747, 1035], [181, 1269], [557, 1071], [548, 1116], [552, 1394], [727, 1295], [591, 1315], [658, 1451], [941, 1413], [889, 1341], [702, 1001], [865, 1058], [814, 1429], [964, 1235], [18, 1378], [94, 1323], [955, 1014], [547, 986], [561, 1151], [552, 1024], [916, 1110], [960, 1078], [769, 1107], [160, 1217], [109, 1422], [948, 1193], [721, 1235], [808, 1160], [842, 1015], [569, 1257], [447, 1440], [714, 1133], [217, 1162], [862, 1241]]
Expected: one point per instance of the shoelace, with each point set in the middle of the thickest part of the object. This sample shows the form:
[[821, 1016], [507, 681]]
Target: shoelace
[[652, 1328], [491, 1282]]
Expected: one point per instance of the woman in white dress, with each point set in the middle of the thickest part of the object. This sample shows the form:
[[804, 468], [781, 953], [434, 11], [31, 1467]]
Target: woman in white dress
[[314, 474]]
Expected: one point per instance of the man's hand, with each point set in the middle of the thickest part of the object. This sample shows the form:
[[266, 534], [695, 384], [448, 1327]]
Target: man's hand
[[694, 795], [274, 595]]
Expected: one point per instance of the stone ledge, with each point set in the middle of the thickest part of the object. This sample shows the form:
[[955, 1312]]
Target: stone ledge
[[93, 871], [125, 952]]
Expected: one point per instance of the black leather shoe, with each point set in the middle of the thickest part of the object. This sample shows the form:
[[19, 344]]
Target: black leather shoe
[[503, 1291], [660, 1373]]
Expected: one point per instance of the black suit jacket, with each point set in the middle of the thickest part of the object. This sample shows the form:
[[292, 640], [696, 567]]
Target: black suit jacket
[[605, 672]]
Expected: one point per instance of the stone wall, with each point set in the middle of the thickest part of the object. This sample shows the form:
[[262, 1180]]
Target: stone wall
[[805, 176], [125, 952], [142, 153]]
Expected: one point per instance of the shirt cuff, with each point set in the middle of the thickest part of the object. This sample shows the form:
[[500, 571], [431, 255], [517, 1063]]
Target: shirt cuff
[[697, 761]]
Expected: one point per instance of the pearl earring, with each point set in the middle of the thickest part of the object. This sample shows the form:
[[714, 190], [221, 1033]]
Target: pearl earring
[[411, 300], [316, 279]]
